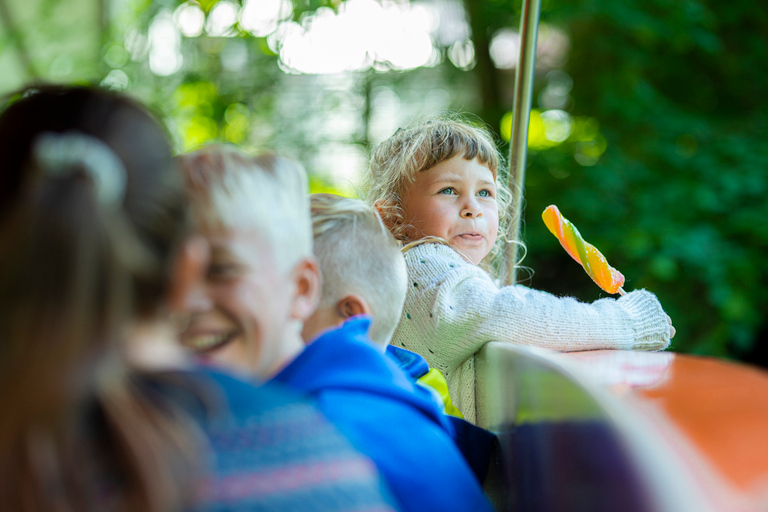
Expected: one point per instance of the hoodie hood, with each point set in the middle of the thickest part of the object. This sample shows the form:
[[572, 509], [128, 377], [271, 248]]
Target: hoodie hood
[[346, 359]]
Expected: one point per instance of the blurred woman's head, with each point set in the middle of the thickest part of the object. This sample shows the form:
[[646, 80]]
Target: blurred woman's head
[[149, 211], [90, 216]]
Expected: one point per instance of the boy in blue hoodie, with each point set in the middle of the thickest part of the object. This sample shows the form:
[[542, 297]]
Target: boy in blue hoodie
[[262, 227], [363, 273]]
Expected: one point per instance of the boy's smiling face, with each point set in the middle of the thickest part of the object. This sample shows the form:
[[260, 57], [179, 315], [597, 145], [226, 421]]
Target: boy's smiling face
[[242, 316], [456, 201]]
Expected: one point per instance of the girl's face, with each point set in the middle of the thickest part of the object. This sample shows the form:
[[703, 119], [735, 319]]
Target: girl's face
[[456, 201]]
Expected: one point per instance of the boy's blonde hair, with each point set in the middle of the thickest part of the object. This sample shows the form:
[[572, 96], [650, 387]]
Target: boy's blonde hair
[[359, 256], [425, 143], [230, 190]]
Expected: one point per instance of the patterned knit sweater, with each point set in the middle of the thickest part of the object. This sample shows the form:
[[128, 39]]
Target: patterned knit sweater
[[453, 308], [270, 450]]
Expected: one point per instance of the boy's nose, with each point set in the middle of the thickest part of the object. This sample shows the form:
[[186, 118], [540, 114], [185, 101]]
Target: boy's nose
[[198, 299]]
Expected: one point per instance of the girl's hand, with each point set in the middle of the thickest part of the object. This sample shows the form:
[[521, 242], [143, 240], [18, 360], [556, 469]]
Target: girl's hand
[[671, 328]]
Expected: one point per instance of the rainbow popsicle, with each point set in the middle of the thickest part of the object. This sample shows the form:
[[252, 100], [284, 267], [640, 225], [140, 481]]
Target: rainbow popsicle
[[594, 263]]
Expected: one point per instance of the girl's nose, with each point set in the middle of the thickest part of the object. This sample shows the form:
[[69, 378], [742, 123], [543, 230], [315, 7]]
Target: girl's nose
[[471, 211]]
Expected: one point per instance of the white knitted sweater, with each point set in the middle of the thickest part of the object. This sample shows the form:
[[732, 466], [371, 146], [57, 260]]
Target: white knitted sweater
[[453, 308]]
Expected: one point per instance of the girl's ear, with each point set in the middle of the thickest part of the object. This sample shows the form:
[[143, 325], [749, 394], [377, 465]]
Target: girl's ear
[[188, 272], [379, 204], [386, 211], [306, 278], [352, 305]]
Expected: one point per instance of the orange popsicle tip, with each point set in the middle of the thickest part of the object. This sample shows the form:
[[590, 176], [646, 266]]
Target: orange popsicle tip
[[593, 262]]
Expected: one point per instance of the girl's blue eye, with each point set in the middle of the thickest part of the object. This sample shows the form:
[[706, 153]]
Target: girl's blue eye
[[485, 193], [447, 191]]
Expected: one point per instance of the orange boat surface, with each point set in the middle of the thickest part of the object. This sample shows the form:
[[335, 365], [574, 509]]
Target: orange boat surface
[[625, 430], [713, 413]]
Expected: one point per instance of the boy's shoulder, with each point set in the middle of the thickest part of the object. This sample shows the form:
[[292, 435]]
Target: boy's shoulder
[[222, 402], [343, 357], [252, 429], [343, 363]]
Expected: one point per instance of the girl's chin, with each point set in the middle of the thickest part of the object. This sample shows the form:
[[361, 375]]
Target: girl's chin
[[472, 253]]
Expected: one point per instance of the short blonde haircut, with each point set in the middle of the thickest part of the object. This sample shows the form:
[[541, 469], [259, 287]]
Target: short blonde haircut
[[230, 190], [359, 256], [425, 143]]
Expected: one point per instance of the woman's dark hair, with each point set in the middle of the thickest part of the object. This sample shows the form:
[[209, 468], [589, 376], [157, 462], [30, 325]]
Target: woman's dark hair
[[78, 431]]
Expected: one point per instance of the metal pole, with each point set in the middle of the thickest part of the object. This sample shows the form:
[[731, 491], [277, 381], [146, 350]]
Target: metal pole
[[521, 113]]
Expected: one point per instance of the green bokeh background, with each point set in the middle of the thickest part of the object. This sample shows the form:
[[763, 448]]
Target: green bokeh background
[[665, 168]]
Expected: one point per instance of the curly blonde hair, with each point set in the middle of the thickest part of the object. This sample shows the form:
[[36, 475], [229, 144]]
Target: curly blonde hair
[[422, 145]]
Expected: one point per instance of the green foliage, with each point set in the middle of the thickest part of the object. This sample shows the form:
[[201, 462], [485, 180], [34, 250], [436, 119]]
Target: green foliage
[[677, 202], [662, 167]]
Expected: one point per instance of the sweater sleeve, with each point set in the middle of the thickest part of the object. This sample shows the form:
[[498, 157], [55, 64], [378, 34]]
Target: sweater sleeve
[[468, 310]]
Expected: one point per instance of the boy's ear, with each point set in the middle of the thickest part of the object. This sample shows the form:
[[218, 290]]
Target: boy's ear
[[306, 277], [352, 305], [188, 271]]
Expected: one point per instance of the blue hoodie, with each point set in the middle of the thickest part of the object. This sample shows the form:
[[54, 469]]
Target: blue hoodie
[[388, 417], [476, 444]]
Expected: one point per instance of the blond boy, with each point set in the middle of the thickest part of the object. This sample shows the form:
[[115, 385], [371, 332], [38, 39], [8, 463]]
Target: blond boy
[[263, 280]]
